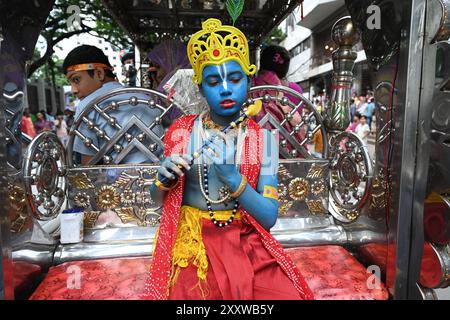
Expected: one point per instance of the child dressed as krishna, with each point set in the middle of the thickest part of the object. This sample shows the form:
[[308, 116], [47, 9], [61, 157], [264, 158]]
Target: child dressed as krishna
[[213, 241]]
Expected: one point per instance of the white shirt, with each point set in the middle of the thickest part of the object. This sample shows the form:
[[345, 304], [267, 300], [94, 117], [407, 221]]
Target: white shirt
[[363, 131]]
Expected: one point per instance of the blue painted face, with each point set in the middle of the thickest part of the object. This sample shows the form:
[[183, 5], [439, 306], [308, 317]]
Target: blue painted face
[[225, 88]]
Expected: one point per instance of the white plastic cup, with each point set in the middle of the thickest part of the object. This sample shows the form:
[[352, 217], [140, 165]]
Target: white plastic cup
[[71, 226]]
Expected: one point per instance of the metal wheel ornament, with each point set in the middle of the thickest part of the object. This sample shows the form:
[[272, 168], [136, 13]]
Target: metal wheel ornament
[[351, 172], [44, 171], [311, 120]]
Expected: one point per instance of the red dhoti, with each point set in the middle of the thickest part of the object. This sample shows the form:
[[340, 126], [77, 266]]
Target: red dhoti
[[239, 267]]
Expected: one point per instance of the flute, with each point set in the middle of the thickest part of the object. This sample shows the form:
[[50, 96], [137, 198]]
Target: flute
[[165, 183]]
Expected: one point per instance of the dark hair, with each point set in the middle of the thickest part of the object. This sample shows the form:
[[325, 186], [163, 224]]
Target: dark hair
[[108, 73], [87, 54], [128, 55], [276, 59], [363, 117]]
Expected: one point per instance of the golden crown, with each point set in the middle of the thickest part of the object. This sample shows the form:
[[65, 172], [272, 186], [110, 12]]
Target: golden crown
[[222, 44]]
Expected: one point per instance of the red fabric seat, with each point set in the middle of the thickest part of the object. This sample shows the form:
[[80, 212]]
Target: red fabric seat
[[25, 274], [334, 274], [431, 273], [331, 272]]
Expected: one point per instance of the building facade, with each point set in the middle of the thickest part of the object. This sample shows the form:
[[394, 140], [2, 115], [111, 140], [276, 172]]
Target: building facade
[[42, 96], [309, 41]]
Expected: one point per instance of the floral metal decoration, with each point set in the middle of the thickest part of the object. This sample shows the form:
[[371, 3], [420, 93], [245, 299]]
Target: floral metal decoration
[[128, 197], [284, 206], [148, 217], [81, 200], [283, 173], [299, 189], [282, 191], [108, 198], [17, 197], [316, 207], [90, 218], [81, 181], [19, 223], [316, 171], [126, 214], [123, 180], [352, 215], [318, 187]]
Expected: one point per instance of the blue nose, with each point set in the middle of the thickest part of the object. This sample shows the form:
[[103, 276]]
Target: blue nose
[[224, 91]]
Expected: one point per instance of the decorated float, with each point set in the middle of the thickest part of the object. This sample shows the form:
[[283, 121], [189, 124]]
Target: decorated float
[[357, 226]]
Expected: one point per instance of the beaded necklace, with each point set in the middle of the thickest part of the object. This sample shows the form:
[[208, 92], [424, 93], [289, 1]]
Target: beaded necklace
[[208, 204], [204, 180]]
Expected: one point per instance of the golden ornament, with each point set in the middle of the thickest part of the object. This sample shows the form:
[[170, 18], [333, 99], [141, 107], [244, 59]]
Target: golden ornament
[[80, 181], [126, 214], [283, 173], [107, 198], [316, 171], [17, 197], [282, 191], [90, 218], [128, 197], [352, 215], [299, 189], [284, 206], [315, 207], [81, 200], [317, 187]]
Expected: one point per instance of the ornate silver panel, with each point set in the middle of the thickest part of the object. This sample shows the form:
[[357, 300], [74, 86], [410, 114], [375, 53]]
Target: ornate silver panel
[[118, 145], [350, 180], [303, 188], [13, 116], [310, 124], [117, 196], [44, 170]]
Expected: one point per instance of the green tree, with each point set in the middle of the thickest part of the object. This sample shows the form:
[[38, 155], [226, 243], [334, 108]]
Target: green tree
[[51, 71], [62, 24], [274, 37]]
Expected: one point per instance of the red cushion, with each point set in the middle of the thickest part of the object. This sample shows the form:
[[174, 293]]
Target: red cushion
[[331, 272], [24, 275], [334, 274], [430, 269]]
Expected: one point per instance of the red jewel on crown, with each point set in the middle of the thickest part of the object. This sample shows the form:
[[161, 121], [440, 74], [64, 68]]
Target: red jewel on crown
[[216, 52]]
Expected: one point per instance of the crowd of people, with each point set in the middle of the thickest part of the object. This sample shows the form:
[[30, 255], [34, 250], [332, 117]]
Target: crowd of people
[[34, 124], [362, 111]]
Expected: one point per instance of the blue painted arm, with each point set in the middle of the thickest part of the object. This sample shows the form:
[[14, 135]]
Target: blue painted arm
[[264, 210]]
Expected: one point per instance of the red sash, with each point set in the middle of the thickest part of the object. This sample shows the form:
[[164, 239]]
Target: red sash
[[176, 141]]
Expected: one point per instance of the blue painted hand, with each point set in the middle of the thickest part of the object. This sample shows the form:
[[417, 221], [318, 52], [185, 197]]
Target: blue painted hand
[[221, 154], [170, 166]]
